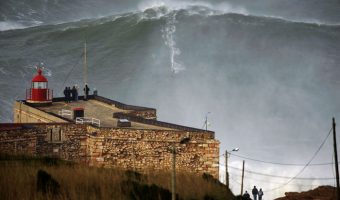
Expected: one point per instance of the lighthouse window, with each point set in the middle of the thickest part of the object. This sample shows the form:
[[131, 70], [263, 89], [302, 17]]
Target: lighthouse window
[[39, 85]]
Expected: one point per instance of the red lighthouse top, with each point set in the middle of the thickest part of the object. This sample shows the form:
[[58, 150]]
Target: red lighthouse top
[[39, 92], [39, 77]]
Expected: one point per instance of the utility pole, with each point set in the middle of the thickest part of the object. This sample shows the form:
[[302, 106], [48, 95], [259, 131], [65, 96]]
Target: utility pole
[[242, 178], [226, 170], [336, 160], [226, 167], [85, 68], [173, 175]]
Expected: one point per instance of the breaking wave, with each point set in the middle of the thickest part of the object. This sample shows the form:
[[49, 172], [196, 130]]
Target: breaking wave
[[27, 14], [184, 59]]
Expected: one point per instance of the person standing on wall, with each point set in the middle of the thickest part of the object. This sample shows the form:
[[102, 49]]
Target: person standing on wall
[[86, 91], [65, 94], [260, 194], [255, 192], [77, 93], [74, 93]]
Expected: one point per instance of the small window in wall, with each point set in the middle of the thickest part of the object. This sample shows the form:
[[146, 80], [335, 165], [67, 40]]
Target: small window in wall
[[55, 135]]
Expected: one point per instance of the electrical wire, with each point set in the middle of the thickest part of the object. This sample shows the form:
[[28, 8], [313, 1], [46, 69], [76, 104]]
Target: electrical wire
[[234, 180], [295, 177], [271, 182], [277, 163], [68, 74], [284, 177]]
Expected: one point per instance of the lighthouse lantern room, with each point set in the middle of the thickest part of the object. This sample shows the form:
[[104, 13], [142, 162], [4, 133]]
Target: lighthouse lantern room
[[39, 93]]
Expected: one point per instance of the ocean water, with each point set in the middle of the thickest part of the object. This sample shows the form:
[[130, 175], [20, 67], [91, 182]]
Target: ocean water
[[268, 73]]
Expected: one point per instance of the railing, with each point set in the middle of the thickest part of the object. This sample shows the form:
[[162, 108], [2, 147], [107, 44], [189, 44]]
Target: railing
[[88, 120], [64, 112]]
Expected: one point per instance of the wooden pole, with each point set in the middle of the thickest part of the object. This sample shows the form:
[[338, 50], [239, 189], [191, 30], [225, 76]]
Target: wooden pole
[[173, 175], [336, 161], [226, 170], [242, 178], [85, 63], [85, 68]]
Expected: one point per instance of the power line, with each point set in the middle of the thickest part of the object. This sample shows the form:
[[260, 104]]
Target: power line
[[284, 177], [295, 177], [68, 74], [235, 180], [271, 182], [277, 163]]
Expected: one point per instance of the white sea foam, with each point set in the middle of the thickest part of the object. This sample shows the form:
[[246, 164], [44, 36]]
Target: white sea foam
[[169, 36], [211, 9], [4, 26], [205, 7], [10, 25]]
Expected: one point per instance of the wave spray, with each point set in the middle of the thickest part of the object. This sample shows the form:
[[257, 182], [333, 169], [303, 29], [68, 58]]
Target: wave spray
[[168, 34]]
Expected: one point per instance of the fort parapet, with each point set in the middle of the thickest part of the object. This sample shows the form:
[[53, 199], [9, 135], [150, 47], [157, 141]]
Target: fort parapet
[[144, 144]]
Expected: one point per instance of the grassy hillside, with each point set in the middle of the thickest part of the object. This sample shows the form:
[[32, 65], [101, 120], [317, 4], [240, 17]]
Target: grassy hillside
[[19, 180]]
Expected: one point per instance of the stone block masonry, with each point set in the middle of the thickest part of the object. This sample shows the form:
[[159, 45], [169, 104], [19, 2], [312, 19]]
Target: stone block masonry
[[24, 113], [135, 149]]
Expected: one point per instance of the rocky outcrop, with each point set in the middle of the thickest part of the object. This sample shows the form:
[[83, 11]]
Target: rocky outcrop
[[320, 193]]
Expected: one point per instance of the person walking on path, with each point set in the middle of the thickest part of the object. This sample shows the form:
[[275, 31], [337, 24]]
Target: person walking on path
[[255, 192], [260, 194], [246, 196], [86, 91]]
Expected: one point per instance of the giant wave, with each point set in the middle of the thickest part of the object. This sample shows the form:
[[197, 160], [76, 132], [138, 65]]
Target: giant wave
[[266, 80]]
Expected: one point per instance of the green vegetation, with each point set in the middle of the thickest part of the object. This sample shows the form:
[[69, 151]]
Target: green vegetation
[[75, 181]]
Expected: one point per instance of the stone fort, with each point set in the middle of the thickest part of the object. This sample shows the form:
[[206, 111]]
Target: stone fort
[[102, 132]]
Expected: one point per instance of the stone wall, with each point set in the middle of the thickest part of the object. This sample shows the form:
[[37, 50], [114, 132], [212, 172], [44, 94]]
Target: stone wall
[[27, 114], [150, 149], [67, 141], [116, 147], [23, 141]]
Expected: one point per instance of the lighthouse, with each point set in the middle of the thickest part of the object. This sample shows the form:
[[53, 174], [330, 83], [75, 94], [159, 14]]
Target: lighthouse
[[39, 94]]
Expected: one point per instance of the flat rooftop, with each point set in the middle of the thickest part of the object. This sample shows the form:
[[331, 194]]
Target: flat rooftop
[[98, 110]]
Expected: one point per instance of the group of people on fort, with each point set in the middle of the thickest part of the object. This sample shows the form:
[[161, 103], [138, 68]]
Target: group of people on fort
[[256, 193], [71, 94]]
